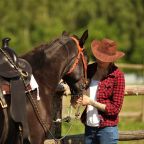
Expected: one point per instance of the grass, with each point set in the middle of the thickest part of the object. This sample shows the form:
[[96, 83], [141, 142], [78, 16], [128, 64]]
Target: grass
[[131, 104]]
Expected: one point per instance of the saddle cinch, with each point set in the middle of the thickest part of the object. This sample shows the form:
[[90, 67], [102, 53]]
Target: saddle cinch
[[15, 74]]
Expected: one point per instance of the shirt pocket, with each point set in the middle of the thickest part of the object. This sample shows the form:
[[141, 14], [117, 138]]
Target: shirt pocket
[[108, 89]]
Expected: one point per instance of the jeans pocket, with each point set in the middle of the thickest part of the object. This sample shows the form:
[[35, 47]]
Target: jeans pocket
[[109, 135]]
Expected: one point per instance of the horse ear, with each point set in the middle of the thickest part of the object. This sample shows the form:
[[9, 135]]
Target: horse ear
[[64, 33], [83, 38]]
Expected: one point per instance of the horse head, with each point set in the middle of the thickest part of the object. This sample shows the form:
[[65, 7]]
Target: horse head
[[63, 58], [76, 77]]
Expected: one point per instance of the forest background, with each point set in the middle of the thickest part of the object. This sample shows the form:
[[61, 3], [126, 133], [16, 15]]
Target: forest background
[[31, 22]]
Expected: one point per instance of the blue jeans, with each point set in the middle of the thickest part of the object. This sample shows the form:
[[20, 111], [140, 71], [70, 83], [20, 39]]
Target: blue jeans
[[106, 135]]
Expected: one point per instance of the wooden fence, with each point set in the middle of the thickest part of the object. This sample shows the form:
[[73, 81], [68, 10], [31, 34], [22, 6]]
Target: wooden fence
[[135, 91]]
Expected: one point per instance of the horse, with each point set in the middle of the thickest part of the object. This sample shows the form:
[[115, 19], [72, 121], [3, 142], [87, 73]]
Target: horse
[[63, 58]]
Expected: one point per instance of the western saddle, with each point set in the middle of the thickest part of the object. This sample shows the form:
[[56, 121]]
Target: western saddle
[[15, 74]]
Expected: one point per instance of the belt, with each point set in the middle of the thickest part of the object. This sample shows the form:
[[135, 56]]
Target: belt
[[6, 89]]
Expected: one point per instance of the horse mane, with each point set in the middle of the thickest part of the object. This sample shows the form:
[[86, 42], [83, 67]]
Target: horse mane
[[43, 46]]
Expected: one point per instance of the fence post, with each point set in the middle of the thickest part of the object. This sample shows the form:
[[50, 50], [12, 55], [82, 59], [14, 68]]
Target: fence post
[[142, 109], [143, 97]]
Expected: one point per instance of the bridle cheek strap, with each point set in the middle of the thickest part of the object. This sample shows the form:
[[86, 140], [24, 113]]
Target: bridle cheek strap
[[80, 54]]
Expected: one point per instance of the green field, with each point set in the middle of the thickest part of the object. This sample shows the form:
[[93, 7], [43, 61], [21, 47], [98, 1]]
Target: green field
[[131, 104]]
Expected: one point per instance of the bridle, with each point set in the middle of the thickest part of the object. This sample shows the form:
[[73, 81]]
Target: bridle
[[83, 80], [79, 56]]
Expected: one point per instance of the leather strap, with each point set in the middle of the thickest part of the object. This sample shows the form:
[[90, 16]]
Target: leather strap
[[18, 104], [7, 90], [2, 100]]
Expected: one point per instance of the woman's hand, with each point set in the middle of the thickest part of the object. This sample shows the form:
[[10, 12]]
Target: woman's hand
[[85, 100]]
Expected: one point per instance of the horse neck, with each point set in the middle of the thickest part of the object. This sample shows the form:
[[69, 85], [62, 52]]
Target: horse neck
[[34, 58], [55, 63], [48, 65]]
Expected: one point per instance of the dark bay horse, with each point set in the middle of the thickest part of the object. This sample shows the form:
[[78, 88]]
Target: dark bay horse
[[64, 58]]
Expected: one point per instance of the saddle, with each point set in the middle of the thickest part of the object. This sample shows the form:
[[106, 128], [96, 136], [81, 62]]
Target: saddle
[[15, 74]]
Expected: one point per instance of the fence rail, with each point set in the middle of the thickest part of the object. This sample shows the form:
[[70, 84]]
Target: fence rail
[[79, 139], [131, 66], [132, 90]]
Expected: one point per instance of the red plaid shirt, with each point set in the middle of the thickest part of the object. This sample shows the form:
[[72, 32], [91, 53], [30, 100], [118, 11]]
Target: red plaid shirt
[[110, 92]]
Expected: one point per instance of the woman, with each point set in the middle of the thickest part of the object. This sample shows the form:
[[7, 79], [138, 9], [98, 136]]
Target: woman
[[104, 96]]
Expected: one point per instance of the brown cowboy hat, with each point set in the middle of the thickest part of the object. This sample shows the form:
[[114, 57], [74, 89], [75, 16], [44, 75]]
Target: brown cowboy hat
[[106, 50]]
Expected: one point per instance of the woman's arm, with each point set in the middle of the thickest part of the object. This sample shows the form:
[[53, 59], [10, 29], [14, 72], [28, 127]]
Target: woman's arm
[[85, 100], [98, 105]]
